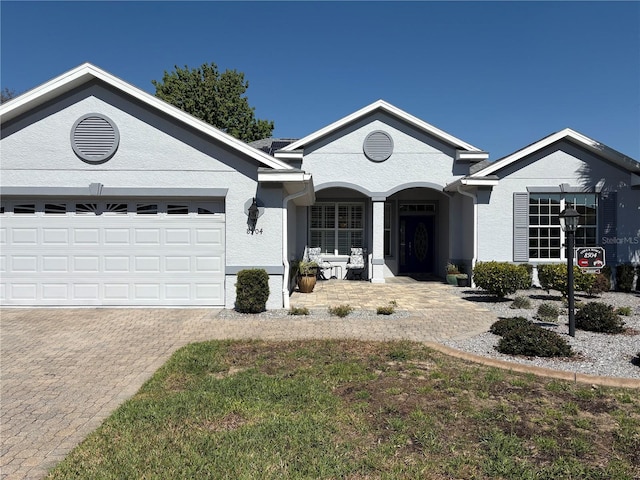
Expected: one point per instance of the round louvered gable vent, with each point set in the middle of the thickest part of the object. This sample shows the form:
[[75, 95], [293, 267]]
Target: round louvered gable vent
[[378, 146], [95, 138]]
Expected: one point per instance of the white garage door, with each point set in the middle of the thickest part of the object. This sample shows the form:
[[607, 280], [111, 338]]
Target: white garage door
[[113, 252]]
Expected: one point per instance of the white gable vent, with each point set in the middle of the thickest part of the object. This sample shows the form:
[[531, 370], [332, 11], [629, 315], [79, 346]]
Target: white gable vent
[[378, 146], [95, 138]]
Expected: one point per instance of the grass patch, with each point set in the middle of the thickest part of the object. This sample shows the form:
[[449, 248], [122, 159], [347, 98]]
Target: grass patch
[[350, 409]]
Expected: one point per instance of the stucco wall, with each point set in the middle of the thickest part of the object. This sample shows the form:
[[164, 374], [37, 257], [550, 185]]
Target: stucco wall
[[154, 152], [555, 165]]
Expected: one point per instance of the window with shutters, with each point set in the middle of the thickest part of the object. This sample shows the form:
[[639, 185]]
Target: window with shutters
[[546, 238], [336, 227]]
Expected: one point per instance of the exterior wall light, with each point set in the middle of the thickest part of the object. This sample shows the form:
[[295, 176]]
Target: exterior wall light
[[253, 212], [569, 222]]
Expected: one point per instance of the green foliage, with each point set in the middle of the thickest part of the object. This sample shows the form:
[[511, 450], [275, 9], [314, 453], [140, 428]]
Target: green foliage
[[217, 98], [501, 278], [505, 325], [341, 310], [385, 310], [624, 311], [624, 277], [548, 312], [298, 311], [307, 268], [601, 283], [520, 302], [534, 341], [252, 290], [599, 317], [553, 276], [6, 94]]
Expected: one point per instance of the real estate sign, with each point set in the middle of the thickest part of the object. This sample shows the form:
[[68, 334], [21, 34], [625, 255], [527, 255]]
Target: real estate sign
[[590, 259]]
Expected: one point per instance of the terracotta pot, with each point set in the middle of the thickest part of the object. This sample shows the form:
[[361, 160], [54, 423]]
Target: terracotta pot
[[306, 283]]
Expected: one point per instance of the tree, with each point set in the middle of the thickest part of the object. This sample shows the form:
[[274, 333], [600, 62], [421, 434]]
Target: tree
[[6, 95], [217, 98]]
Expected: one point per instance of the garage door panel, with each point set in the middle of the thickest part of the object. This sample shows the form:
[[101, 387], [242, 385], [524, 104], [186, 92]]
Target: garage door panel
[[147, 236], [24, 236], [178, 236], [116, 236], [86, 236], [55, 236], [175, 264], [147, 264], [55, 291], [55, 264], [112, 259]]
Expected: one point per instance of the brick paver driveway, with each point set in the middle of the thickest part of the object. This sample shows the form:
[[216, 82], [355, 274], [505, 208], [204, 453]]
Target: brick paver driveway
[[65, 370]]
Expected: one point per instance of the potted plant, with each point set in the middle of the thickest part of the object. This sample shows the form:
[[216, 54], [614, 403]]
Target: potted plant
[[307, 276], [452, 272], [462, 279]]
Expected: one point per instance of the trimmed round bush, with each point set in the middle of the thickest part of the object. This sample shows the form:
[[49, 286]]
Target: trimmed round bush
[[504, 325], [501, 278], [599, 317], [534, 341], [252, 290], [553, 276]]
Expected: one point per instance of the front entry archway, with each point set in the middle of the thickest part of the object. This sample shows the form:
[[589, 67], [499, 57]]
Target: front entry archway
[[417, 244]]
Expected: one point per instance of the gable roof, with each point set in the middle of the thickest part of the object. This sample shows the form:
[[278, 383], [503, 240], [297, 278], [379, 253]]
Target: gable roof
[[383, 106], [88, 72], [600, 149]]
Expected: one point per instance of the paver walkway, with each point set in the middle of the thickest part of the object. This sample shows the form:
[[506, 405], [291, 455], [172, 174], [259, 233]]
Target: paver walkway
[[65, 370]]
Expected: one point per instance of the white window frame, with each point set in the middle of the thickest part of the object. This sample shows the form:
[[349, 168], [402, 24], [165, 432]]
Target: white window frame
[[336, 228], [563, 197]]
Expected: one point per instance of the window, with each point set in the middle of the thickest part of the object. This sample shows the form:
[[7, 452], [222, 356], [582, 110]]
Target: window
[[147, 209], [336, 227], [546, 238], [55, 208]]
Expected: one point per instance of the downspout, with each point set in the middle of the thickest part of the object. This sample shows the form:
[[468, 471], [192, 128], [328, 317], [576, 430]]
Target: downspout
[[285, 242], [475, 227]]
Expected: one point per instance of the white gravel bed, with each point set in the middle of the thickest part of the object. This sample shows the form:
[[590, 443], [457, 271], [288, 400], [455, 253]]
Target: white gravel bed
[[597, 353]]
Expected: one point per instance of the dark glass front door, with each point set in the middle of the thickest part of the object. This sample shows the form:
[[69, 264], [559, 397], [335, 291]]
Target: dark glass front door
[[416, 244]]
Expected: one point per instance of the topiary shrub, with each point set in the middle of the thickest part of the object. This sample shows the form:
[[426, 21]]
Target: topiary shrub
[[501, 278], [624, 277], [548, 312], [252, 290], [534, 341], [520, 302], [599, 317], [505, 325], [553, 276]]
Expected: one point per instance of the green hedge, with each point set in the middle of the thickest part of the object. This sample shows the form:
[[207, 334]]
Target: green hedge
[[252, 290], [501, 278], [554, 277]]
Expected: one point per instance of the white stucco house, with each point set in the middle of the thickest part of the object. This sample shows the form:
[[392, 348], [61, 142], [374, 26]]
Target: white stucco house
[[110, 196]]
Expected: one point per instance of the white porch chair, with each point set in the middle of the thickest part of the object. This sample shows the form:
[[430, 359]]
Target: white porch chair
[[356, 266]]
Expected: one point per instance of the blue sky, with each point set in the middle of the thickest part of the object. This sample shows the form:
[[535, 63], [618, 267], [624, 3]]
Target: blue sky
[[498, 75]]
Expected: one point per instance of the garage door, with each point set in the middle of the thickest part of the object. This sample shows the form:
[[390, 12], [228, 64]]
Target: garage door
[[112, 252]]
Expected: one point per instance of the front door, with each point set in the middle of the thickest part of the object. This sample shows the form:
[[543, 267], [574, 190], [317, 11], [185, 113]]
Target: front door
[[416, 244]]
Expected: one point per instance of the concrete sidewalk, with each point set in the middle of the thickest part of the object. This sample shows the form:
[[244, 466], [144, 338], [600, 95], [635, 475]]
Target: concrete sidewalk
[[65, 370]]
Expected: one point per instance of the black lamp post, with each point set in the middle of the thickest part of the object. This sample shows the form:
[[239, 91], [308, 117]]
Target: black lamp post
[[569, 222]]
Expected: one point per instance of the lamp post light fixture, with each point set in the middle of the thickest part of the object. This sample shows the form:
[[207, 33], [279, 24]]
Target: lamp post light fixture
[[569, 222]]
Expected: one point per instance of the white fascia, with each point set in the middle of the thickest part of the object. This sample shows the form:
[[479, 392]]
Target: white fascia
[[85, 72], [297, 155], [473, 156], [394, 111]]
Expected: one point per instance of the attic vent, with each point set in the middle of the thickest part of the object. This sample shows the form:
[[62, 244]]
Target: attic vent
[[378, 146], [95, 138]]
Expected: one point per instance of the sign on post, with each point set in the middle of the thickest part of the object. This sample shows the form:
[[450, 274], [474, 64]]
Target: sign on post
[[590, 259]]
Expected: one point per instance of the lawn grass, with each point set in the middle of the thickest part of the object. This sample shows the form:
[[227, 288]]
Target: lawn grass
[[356, 410]]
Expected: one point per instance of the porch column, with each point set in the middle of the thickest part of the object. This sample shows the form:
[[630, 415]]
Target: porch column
[[377, 252]]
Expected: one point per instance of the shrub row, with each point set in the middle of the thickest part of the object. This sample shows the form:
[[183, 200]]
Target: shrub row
[[521, 337]]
